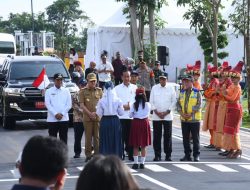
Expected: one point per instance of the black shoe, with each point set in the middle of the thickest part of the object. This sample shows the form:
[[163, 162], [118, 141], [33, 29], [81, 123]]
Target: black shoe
[[196, 158], [142, 166], [87, 159], [77, 156], [186, 158], [209, 146], [135, 166], [131, 158], [168, 158], [224, 153], [157, 159]]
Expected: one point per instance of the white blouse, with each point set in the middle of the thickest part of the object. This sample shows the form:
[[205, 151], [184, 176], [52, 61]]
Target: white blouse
[[103, 110], [142, 113]]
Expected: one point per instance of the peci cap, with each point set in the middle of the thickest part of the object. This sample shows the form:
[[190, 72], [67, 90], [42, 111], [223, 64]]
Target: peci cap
[[91, 77], [157, 62], [58, 76]]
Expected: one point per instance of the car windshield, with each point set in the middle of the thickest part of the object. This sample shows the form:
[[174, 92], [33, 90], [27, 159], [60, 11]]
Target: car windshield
[[7, 47], [31, 69]]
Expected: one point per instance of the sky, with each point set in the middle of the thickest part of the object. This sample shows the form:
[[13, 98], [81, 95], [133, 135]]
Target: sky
[[98, 10]]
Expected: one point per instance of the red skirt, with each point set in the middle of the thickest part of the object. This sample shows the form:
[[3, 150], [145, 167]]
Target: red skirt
[[233, 118], [140, 134]]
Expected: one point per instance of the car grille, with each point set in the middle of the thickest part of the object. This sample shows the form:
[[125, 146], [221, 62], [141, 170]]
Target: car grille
[[33, 92]]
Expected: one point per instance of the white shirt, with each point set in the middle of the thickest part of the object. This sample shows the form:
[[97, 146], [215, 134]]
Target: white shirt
[[141, 113], [73, 58], [105, 77], [163, 99], [58, 101], [127, 95], [102, 107]]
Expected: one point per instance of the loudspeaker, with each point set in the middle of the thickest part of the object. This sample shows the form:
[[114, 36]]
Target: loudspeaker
[[163, 55]]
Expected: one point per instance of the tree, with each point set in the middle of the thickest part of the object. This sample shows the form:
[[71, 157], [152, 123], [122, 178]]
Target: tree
[[206, 43], [204, 13], [62, 15]]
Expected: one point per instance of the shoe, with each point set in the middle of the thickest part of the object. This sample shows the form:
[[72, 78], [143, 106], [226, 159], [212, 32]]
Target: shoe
[[225, 153], [157, 159], [237, 154], [196, 158], [186, 158], [131, 158], [135, 166], [142, 166], [209, 146], [230, 154], [168, 158], [77, 156], [87, 159]]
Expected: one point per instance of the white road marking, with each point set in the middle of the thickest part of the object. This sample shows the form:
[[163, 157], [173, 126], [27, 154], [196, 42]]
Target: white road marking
[[156, 168], [152, 180], [221, 168], [132, 170], [188, 168], [245, 166]]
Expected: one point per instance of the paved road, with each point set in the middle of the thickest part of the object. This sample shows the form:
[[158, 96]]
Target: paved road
[[213, 172]]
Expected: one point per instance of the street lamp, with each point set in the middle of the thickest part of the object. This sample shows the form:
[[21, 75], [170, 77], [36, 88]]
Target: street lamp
[[32, 15]]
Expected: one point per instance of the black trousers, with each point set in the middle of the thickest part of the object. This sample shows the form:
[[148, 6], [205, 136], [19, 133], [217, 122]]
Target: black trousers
[[101, 84], [118, 81], [147, 95], [78, 132], [167, 137], [61, 128], [194, 129], [126, 125]]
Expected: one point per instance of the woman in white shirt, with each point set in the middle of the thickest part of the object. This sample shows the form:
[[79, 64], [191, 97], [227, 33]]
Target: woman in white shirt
[[140, 135], [73, 56], [108, 108]]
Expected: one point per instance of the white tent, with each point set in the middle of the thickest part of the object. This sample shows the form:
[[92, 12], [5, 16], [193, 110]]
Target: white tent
[[114, 35]]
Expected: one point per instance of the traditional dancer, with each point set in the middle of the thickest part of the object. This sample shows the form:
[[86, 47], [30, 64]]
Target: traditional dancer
[[231, 141]]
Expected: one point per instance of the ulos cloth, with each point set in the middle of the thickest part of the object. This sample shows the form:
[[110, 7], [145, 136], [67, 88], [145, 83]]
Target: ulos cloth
[[110, 136], [140, 134]]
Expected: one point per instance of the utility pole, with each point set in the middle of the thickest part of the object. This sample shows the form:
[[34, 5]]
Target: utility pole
[[32, 14]]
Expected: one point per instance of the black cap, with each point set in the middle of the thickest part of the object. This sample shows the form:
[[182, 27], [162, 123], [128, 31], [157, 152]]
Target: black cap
[[163, 75], [134, 73], [157, 62], [187, 77], [58, 76]]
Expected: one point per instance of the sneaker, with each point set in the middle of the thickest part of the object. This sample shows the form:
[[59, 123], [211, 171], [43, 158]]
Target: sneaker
[[77, 156], [142, 166], [135, 166], [186, 158], [209, 146]]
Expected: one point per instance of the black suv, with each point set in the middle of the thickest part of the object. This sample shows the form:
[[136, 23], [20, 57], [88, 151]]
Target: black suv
[[19, 100]]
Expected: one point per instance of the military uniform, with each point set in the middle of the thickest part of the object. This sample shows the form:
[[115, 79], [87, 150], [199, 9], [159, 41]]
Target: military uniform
[[90, 97]]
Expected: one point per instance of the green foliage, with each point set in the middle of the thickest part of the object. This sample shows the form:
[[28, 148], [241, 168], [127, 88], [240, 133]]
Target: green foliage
[[60, 18], [239, 17], [206, 43], [149, 52]]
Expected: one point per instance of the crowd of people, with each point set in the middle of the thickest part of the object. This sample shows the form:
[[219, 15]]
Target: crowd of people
[[114, 117]]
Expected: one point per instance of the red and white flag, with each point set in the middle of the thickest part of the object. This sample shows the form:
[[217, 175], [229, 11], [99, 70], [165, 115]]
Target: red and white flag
[[42, 81]]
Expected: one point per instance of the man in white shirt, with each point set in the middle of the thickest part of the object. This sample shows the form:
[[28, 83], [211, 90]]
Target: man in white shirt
[[126, 92], [104, 69], [58, 102], [163, 101]]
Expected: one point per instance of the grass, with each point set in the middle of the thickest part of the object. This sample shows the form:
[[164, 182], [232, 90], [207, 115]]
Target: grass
[[246, 116]]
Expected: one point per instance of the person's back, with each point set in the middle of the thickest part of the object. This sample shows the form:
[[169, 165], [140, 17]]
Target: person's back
[[43, 164], [106, 173]]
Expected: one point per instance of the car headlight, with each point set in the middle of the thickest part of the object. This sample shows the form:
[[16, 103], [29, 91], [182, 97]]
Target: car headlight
[[12, 91]]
